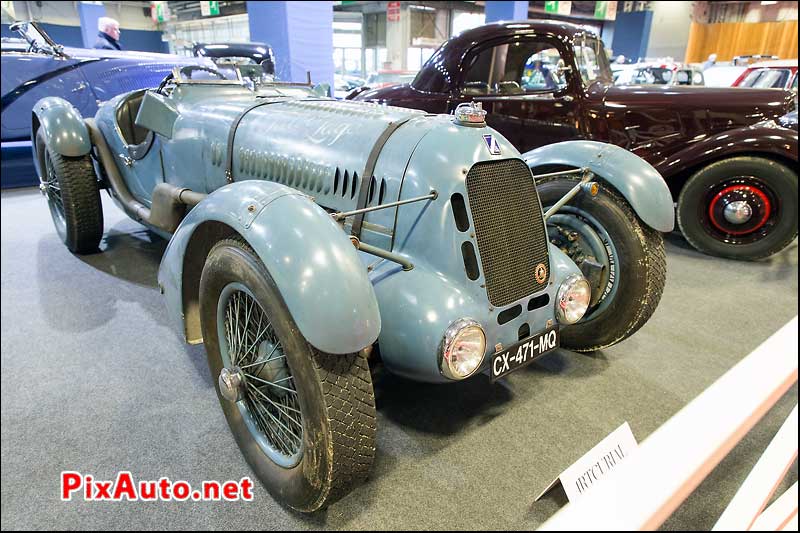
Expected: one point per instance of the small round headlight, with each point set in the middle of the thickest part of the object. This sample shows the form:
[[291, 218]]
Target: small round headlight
[[573, 299], [463, 347]]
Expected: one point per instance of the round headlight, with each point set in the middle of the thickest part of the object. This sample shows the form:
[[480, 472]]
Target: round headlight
[[573, 299], [463, 347]]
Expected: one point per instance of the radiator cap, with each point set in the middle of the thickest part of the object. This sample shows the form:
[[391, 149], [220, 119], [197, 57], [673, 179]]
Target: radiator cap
[[470, 114]]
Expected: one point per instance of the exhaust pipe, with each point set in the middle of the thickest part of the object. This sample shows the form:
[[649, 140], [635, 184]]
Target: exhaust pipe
[[133, 207], [168, 203]]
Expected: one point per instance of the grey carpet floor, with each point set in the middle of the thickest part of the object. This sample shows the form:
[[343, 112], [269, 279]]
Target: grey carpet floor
[[95, 380]]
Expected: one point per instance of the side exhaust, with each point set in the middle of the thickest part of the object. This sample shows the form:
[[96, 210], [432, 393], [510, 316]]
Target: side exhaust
[[169, 202]]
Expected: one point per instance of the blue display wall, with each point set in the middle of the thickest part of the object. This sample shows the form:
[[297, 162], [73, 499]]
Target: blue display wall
[[631, 34]]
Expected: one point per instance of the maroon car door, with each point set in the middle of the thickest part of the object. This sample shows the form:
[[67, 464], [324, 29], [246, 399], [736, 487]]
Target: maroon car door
[[524, 87]]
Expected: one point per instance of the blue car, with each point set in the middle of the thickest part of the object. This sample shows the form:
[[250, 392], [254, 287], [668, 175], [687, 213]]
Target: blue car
[[308, 235], [34, 67]]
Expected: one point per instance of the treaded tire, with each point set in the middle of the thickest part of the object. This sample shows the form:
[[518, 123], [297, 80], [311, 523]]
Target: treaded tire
[[334, 391], [640, 262], [79, 217], [692, 207]]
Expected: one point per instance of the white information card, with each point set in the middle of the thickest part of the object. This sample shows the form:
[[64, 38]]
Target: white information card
[[590, 469]]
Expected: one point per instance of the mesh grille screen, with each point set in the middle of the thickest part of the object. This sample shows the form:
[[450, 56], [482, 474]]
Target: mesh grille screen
[[509, 228], [133, 77]]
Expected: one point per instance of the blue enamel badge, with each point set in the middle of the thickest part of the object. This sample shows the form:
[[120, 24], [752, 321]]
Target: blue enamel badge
[[491, 143]]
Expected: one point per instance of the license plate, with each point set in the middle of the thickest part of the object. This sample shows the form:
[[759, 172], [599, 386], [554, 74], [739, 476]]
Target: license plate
[[524, 352]]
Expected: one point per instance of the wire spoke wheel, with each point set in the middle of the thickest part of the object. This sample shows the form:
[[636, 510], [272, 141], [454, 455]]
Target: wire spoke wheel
[[303, 419], [70, 186], [52, 188], [265, 388]]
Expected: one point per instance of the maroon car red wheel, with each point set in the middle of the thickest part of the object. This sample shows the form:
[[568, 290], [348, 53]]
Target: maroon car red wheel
[[742, 208]]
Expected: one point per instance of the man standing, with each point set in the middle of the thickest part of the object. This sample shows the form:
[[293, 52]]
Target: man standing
[[108, 36]]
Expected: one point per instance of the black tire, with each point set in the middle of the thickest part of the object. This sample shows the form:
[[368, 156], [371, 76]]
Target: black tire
[[70, 185], [334, 391], [640, 267], [775, 186]]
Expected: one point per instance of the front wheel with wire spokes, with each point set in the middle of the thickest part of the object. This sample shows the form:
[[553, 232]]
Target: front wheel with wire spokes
[[70, 186], [304, 420]]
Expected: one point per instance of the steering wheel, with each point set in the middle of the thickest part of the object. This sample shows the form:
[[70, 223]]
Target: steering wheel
[[187, 71]]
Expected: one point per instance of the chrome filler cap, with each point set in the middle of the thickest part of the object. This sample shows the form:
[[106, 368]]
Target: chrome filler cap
[[470, 114]]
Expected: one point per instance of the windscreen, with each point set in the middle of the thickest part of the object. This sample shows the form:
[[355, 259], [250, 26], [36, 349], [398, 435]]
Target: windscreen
[[590, 55], [766, 78]]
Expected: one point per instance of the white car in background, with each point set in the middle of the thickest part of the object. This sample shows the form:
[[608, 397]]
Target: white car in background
[[776, 74], [722, 75], [657, 73], [343, 84]]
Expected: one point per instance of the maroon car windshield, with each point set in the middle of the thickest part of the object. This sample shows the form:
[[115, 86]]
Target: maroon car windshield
[[441, 71], [593, 65]]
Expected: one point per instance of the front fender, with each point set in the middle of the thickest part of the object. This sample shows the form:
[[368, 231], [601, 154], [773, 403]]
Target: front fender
[[634, 178], [312, 261], [63, 128]]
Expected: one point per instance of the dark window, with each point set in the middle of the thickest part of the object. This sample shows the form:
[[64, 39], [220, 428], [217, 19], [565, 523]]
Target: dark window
[[538, 302], [433, 77], [470, 260], [766, 78], [515, 68], [509, 314], [592, 60], [524, 332], [654, 76], [459, 212]]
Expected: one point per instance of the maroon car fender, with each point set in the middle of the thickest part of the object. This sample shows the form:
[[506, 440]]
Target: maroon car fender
[[765, 138]]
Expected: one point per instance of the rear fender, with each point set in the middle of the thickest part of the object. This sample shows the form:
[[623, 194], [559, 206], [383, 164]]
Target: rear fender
[[767, 139], [638, 182], [312, 261]]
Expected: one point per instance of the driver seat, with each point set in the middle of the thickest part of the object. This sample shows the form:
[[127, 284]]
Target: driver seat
[[136, 138]]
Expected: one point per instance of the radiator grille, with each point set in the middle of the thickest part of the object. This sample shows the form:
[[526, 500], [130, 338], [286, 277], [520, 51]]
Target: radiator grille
[[511, 235]]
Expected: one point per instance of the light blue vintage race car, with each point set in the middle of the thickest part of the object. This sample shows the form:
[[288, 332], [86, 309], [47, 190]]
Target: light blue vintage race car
[[310, 237], [34, 66]]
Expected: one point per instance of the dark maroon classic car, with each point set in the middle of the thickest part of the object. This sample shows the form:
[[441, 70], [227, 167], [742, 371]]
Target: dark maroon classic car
[[730, 166]]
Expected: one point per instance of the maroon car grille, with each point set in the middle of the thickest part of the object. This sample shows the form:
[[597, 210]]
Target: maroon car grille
[[510, 230]]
